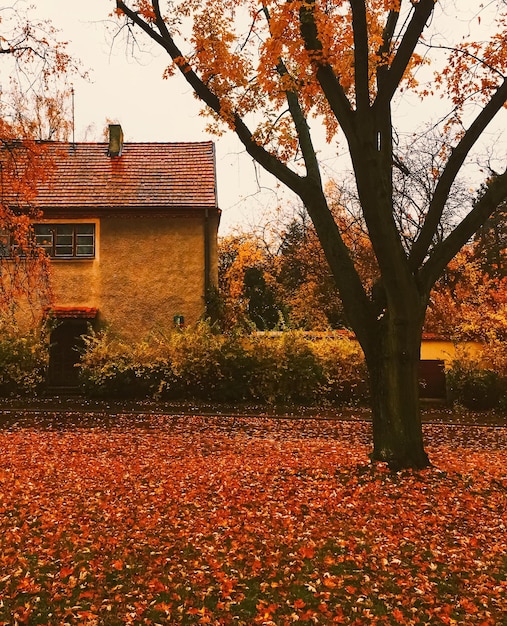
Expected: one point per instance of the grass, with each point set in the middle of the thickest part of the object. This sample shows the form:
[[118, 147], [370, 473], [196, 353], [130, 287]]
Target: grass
[[153, 519]]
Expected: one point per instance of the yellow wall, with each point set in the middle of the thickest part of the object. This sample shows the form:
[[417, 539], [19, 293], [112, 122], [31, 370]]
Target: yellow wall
[[146, 270], [433, 349]]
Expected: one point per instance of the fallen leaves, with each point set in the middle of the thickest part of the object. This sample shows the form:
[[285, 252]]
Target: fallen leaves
[[248, 521]]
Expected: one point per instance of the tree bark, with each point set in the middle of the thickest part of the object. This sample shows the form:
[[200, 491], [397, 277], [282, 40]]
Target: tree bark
[[393, 365]]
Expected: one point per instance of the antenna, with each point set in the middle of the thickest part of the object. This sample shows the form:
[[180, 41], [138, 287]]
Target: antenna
[[73, 117]]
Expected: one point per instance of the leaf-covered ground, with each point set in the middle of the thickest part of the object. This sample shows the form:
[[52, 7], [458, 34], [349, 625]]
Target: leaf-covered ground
[[160, 520]]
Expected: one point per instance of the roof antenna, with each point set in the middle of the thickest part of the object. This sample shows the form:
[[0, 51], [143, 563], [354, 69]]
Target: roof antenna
[[73, 118]]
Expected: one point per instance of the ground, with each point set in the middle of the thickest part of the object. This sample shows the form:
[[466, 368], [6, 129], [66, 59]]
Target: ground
[[109, 516]]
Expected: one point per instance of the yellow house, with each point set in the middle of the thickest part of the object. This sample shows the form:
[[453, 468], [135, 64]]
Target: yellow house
[[435, 347], [131, 230]]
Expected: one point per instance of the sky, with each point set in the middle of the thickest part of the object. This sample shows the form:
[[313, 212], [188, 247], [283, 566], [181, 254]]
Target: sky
[[132, 92]]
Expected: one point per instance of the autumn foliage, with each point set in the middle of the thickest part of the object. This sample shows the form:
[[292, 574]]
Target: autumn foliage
[[468, 303], [151, 519], [32, 109], [23, 267]]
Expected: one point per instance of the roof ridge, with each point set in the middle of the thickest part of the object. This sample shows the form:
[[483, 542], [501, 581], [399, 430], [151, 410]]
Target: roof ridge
[[127, 143]]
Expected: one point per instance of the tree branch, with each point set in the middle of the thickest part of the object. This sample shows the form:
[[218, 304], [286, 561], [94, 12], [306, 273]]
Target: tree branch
[[164, 38], [299, 119], [388, 33], [392, 78], [448, 176], [329, 82], [361, 56], [494, 195]]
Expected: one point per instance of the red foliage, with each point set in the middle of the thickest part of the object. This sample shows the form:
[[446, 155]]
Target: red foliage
[[254, 521]]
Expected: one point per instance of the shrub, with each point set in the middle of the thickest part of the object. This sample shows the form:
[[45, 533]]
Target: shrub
[[237, 366], [474, 383], [193, 357], [23, 360], [199, 364], [346, 376], [285, 370], [112, 367]]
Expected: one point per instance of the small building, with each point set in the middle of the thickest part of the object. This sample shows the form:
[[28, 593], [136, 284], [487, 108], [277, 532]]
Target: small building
[[436, 353], [131, 230]]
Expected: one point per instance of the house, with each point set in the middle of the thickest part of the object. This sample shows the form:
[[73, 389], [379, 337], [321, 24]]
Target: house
[[131, 230]]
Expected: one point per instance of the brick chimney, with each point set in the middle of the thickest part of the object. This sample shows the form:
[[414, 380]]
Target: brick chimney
[[115, 140]]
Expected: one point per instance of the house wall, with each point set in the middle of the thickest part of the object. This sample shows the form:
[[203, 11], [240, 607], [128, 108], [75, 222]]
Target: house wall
[[436, 349], [146, 271]]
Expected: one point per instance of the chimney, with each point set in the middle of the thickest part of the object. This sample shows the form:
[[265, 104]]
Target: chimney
[[115, 140]]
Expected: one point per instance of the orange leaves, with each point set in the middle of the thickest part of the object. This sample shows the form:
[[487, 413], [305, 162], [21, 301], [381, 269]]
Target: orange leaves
[[470, 301], [35, 102], [145, 7], [23, 267], [475, 67], [307, 551], [201, 521]]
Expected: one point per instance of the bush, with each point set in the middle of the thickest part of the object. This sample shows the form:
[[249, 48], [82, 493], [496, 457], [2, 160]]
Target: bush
[[473, 383], [199, 364], [23, 360], [346, 376], [285, 369], [193, 359], [237, 367], [112, 367]]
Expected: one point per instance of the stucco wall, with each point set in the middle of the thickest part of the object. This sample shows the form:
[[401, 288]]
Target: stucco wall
[[435, 349], [146, 271]]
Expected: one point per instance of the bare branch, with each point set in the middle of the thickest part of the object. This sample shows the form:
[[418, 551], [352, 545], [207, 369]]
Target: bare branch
[[448, 176]]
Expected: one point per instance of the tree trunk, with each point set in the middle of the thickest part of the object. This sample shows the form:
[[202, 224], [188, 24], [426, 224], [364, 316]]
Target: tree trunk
[[393, 364]]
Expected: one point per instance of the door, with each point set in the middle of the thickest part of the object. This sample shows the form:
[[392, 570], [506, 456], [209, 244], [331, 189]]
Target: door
[[66, 343], [432, 379]]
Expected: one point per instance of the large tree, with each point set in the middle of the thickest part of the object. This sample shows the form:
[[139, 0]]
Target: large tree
[[264, 68]]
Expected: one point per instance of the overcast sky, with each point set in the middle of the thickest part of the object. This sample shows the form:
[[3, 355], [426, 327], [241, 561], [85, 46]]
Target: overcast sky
[[133, 93]]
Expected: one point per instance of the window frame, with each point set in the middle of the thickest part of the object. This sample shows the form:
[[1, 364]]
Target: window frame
[[58, 241]]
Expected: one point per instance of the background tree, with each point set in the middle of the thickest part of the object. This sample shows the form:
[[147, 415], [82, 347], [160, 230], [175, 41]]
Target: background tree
[[246, 283], [31, 108], [42, 117], [264, 68], [304, 281], [491, 244], [468, 302]]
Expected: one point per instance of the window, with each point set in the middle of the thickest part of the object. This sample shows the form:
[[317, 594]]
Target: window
[[66, 241]]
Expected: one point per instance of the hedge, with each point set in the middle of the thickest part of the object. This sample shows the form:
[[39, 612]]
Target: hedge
[[478, 383], [198, 364]]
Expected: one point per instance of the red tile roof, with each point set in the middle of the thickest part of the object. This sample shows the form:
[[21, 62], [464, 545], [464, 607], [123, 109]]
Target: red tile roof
[[146, 175]]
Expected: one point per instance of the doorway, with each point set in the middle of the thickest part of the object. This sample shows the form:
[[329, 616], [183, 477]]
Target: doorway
[[66, 343], [432, 383]]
